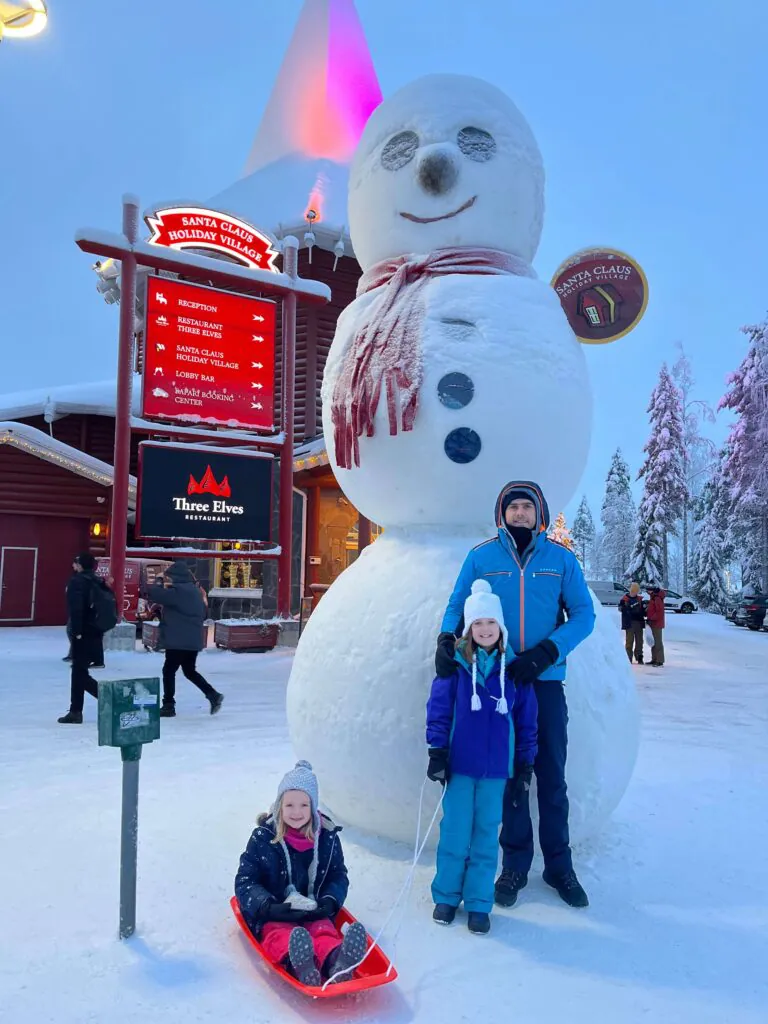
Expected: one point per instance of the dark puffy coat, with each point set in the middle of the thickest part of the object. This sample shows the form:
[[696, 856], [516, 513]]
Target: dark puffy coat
[[183, 610], [80, 614], [632, 611], [262, 878]]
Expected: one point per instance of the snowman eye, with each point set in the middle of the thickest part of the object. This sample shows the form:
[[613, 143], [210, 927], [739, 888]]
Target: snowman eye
[[476, 144], [399, 151]]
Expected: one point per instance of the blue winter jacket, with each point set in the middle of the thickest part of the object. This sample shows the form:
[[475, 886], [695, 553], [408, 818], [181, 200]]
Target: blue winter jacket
[[262, 878], [482, 744], [543, 594]]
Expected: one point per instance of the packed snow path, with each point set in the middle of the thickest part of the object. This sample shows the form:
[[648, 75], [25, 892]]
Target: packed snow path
[[677, 930]]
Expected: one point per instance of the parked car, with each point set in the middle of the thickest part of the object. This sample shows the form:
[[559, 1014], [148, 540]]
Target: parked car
[[755, 607], [680, 603], [607, 592]]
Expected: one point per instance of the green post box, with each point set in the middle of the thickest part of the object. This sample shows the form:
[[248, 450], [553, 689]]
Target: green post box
[[129, 717], [129, 712]]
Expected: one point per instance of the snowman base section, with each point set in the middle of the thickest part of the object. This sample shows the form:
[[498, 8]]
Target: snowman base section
[[362, 674]]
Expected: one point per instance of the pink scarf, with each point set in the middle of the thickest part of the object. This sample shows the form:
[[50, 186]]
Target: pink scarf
[[387, 351], [298, 840]]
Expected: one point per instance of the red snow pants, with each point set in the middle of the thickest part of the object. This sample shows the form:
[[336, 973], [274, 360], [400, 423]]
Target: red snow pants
[[275, 936]]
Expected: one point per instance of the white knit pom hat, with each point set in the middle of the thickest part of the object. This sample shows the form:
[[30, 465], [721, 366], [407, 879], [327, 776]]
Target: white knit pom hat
[[482, 603]]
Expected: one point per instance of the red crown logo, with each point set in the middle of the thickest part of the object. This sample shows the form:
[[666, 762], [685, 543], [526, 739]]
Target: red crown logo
[[208, 485]]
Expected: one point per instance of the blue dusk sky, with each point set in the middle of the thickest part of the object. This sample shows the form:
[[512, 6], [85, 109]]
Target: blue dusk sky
[[651, 118]]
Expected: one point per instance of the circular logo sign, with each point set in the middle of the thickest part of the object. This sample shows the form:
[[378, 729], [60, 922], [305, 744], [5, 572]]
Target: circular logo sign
[[604, 293]]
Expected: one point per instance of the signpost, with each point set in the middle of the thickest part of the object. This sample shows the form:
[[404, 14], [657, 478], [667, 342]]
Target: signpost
[[209, 357], [129, 717], [248, 274]]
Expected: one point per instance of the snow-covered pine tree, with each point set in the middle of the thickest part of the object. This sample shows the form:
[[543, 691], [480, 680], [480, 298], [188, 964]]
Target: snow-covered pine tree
[[708, 583], [664, 493], [699, 453], [646, 564], [583, 530], [746, 468], [618, 518], [560, 533]]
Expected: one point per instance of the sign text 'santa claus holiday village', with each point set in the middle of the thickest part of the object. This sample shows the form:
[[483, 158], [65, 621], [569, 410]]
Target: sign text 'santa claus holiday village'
[[603, 292], [209, 356], [189, 227]]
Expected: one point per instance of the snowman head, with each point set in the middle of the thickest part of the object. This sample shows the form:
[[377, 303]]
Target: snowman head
[[447, 161]]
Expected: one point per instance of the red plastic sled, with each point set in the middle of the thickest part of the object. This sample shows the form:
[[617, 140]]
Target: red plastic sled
[[371, 974]]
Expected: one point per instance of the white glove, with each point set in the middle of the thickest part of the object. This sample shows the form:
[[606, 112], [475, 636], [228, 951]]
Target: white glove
[[296, 901]]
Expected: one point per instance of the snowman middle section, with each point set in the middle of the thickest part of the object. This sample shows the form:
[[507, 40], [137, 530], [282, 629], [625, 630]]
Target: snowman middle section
[[504, 393]]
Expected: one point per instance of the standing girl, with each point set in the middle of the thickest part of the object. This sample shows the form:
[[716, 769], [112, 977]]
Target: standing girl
[[481, 731], [292, 882]]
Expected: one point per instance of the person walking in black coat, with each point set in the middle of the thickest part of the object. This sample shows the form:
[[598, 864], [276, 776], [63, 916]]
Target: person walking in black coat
[[182, 632], [85, 635], [633, 622]]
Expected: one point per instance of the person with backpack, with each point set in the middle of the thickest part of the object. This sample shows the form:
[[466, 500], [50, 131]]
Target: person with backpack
[[91, 612]]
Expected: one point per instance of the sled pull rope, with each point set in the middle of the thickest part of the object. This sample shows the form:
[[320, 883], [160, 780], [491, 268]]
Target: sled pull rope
[[404, 892]]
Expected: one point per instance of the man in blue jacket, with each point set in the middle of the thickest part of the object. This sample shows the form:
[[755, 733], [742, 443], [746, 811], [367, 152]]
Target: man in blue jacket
[[548, 611]]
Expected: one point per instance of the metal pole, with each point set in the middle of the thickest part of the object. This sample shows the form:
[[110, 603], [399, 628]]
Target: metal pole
[[118, 535], [290, 268], [129, 835]]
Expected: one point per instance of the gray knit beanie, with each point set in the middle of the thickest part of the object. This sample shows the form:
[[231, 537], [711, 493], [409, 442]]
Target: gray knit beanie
[[302, 778]]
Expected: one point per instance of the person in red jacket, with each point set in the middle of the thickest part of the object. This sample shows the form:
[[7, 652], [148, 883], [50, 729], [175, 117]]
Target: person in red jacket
[[657, 621]]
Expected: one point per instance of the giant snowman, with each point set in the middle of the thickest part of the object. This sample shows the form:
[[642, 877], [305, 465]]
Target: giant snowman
[[452, 372]]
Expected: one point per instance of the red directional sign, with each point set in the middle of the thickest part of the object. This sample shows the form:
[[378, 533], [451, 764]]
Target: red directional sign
[[209, 356]]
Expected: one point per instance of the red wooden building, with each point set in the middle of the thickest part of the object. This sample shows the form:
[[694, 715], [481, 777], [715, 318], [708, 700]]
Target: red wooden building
[[56, 444]]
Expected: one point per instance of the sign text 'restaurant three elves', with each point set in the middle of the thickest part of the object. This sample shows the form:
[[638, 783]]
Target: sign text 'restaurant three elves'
[[191, 227]]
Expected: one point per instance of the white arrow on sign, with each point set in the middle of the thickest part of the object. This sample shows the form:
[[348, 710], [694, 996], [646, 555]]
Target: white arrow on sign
[[257, 337], [257, 366], [256, 405], [259, 319], [259, 386]]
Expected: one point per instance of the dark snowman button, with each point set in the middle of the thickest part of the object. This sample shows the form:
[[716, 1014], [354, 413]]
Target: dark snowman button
[[462, 445], [455, 390]]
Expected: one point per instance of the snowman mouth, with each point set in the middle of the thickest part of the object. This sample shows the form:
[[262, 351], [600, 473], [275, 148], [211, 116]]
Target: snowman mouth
[[445, 216]]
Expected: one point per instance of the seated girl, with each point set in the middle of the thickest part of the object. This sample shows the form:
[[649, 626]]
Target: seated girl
[[292, 882]]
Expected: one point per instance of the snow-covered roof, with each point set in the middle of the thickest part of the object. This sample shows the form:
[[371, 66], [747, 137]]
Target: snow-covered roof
[[36, 442], [310, 454], [324, 94], [96, 398]]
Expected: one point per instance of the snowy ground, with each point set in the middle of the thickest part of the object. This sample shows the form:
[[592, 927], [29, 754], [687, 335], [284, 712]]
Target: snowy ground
[[677, 931]]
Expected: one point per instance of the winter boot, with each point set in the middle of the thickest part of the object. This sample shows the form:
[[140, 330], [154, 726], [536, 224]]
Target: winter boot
[[216, 701], [168, 710], [478, 923], [352, 950], [568, 887], [508, 885], [301, 955], [71, 718], [444, 913]]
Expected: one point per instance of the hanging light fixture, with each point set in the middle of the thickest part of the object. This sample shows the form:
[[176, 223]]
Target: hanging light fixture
[[309, 236], [20, 20]]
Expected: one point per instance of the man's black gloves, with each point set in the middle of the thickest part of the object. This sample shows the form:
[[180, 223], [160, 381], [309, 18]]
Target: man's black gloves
[[520, 783], [528, 666], [437, 770], [445, 663]]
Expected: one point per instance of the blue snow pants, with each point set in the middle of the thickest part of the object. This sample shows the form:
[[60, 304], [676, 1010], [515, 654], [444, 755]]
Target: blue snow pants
[[549, 766], [468, 850]]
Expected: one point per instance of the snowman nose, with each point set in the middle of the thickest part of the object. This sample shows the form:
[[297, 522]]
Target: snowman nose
[[438, 171]]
